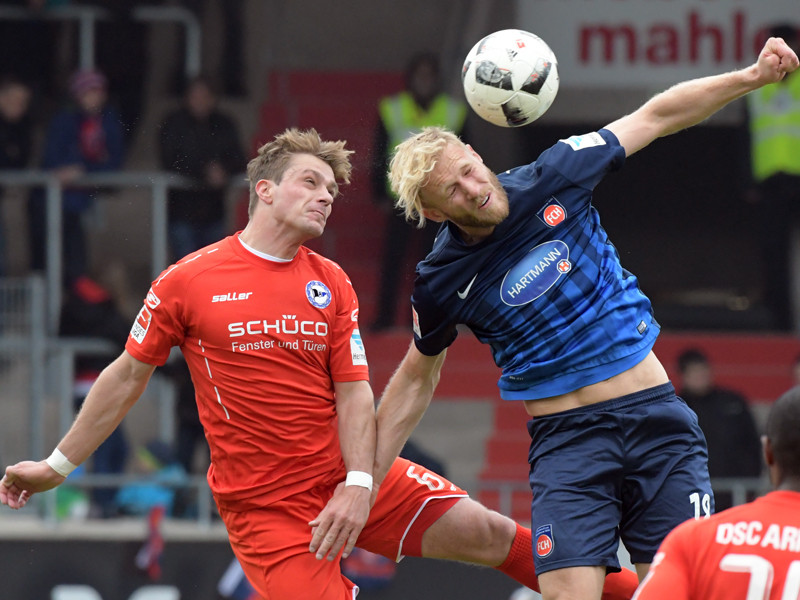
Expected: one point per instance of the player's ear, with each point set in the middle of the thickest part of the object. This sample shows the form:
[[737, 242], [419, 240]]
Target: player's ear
[[431, 214], [264, 189], [472, 151], [769, 455]]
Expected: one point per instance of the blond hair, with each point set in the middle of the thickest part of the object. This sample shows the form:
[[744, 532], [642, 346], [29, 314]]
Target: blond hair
[[273, 158], [411, 166]]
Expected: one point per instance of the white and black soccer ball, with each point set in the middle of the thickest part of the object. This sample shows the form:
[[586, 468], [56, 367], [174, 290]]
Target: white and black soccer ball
[[510, 77]]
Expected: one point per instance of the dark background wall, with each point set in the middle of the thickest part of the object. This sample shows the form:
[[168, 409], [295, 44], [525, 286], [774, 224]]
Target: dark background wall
[[32, 568]]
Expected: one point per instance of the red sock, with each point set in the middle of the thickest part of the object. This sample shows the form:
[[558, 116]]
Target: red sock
[[620, 586], [519, 566], [519, 563]]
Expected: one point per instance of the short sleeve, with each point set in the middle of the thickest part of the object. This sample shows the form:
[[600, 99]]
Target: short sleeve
[[434, 330], [348, 354], [159, 325]]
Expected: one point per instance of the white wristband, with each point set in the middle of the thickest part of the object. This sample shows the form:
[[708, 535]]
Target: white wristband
[[359, 478], [60, 463]]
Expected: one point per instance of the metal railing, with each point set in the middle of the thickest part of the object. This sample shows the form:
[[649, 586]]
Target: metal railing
[[158, 182], [47, 367], [24, 339], [86, 18], [37, 372], [32, 337], [198, 484]]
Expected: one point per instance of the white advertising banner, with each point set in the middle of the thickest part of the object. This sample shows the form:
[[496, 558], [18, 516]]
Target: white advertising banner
[[646, 43]]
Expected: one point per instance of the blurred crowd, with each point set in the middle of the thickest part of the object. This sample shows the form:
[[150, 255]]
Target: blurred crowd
[[68, 120]]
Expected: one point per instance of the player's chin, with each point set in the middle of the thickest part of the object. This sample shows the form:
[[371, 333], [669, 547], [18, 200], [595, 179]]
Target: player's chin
[[316, 224]]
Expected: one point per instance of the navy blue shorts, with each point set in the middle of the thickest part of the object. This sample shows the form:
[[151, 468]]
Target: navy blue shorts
[[632, 468]]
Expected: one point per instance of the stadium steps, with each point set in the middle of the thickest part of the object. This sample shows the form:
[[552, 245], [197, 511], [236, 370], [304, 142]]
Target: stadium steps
[[340, 105]]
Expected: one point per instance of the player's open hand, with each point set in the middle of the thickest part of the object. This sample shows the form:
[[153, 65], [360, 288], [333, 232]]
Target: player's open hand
[[24, 479], [338, 524], [776, 60]]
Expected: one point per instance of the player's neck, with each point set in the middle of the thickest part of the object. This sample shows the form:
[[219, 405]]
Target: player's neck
[[473, 235], [275, 246], [790, 484]]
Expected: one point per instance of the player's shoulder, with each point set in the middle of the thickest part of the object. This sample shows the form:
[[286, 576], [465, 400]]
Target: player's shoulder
[[192, 265], [322, 264], [594, 139], [578, 149]]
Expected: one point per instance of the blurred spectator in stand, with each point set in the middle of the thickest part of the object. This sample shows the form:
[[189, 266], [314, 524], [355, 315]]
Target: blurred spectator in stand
[[190, 440], [121, 54], [165, 475], [92, 310], [774, 129], [734, 448], [81, 139], [232, 56], [189, 437], [28, 46], [16, 138], [202, 143], [423, 103]]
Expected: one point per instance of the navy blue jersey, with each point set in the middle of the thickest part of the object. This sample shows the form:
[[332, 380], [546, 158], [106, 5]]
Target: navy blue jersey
[[546, 290]]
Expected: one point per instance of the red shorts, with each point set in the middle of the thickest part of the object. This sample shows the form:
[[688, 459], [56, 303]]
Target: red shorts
[[271, 542]]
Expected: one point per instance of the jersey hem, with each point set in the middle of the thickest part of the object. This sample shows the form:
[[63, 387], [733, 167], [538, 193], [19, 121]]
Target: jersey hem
[[589, 377]]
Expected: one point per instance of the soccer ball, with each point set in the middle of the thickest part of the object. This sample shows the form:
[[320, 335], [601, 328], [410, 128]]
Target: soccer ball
[[510, 77]]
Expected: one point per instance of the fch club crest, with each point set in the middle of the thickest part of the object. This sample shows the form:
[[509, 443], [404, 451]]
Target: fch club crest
[[544, 541]]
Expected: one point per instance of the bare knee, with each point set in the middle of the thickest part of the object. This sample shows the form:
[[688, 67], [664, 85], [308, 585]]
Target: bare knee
[[469, 532], [573, 583]]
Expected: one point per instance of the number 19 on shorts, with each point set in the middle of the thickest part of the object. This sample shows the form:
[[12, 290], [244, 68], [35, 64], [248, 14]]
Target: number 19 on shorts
[[701, 504]]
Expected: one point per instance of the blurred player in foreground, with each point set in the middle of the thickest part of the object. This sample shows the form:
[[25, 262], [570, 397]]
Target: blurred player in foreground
[[523, 261], [749, 551], [269, 330]]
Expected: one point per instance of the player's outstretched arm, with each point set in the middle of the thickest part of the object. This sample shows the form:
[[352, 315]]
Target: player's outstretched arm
[[691, 102], [402, 404], [115, 391]]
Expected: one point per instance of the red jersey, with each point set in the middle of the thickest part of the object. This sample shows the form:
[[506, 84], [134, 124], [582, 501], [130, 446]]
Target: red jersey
[[748, 552], [264, 341]]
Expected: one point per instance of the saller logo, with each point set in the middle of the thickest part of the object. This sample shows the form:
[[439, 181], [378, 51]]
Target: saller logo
[[231, 296], [536, 273]]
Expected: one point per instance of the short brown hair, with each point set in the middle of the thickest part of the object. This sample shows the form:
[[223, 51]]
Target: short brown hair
[[273, 157], [411, 165]]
